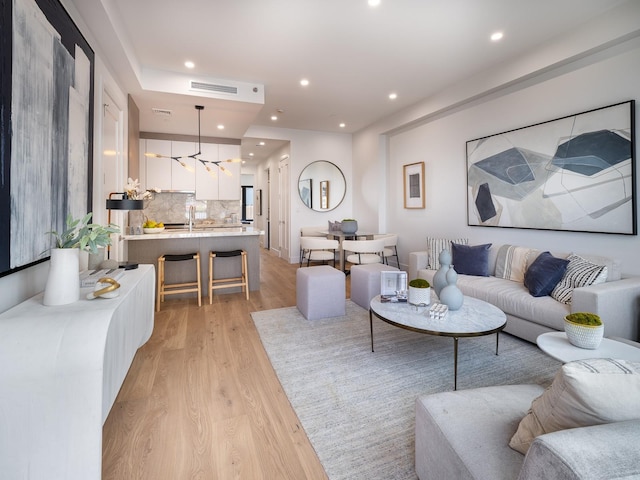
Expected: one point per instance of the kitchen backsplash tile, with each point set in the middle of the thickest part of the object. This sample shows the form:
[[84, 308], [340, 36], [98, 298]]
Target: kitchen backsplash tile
[[173, 207]]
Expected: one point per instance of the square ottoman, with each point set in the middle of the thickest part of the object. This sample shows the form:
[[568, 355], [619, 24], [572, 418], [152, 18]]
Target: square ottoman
[[365, 282], [320, 292]]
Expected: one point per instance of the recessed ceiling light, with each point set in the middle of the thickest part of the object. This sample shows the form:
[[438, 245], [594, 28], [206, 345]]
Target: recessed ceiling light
[[189, 64], [220, 127], [260, 144], [342, 125], [304, 82], [251, 154], [393, 96], [373, 3], [496, 36], [274, 117]]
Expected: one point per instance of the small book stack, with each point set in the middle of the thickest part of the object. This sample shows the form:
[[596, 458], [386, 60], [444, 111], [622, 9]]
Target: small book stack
[[89, 278]]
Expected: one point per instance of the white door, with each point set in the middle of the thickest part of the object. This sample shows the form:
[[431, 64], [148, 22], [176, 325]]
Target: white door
[[283, 208], [113, 165]]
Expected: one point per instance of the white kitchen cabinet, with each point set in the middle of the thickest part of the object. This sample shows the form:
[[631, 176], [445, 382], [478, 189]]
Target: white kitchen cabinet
[[157, 170], [229, 186], [183, 179], [206, 184]]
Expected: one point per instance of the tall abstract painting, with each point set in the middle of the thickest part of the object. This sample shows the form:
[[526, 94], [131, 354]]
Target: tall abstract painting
[[46, 122], [575, 173]]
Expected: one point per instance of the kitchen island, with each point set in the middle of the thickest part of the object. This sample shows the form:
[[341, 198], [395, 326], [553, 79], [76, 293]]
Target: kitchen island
[[147, 248]]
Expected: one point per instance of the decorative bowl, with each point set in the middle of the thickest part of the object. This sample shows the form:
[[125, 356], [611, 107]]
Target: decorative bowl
[[584, 336], [153, 230]]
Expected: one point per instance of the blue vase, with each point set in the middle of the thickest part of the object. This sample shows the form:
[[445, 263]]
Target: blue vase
[[451, 295], [440, 278], [349, 226]]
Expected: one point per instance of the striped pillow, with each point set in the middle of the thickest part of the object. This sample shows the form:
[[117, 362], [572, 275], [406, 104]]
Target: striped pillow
[[436, 245], [579, 273], [511, 262]]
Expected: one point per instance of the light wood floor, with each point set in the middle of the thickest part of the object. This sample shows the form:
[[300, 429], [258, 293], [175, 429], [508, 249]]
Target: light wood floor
[[201, 400]]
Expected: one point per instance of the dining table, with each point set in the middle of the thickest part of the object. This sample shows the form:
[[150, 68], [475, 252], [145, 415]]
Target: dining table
[[340, 236]]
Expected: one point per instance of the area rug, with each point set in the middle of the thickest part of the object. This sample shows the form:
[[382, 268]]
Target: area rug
[[357, 407]]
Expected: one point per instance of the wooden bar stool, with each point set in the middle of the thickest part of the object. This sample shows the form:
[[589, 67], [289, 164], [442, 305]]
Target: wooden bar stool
[[241, 281], [174, 288]]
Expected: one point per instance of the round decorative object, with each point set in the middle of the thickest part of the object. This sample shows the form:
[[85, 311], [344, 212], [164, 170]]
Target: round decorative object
[[349, 226], [584, 336], [451, 295], [419, 296], [63, 282], [440, 278]]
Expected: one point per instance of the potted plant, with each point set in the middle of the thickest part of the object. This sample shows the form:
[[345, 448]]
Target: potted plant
[[349, 225], [584, 329], [419, 292], [63, 283]]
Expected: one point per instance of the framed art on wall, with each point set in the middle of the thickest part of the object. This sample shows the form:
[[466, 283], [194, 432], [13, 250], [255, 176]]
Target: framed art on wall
[[575, 173], [414, 185], [46, 136], [324, 194], [304, 188]]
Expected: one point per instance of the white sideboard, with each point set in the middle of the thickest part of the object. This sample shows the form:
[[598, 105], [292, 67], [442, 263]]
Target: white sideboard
[[61, 368]]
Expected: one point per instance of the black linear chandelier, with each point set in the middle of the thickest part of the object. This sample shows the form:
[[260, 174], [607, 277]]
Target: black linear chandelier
[[195, 156]]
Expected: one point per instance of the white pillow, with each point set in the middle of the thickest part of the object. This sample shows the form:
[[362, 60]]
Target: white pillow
[[579, 273], [436, 245], [583, 393], [511, 262]]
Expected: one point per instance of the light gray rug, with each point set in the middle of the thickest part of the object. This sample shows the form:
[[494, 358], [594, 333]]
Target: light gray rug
[[357, 407]]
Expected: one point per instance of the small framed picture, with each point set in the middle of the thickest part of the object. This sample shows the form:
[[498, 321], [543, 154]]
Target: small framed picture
[[414, 185], [393, 284], [324, 194]]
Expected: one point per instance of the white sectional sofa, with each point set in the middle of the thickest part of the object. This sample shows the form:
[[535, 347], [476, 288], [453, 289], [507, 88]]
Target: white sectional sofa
[[617, 301]]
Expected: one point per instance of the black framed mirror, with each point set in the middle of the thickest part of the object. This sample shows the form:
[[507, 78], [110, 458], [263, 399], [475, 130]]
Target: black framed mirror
[[322, 186]]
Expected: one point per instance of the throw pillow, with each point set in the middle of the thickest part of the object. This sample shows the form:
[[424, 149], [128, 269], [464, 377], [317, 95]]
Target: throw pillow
[[544, 274], [583, 393], [435, 247], [579, 273], [471, 260], [511, 262]]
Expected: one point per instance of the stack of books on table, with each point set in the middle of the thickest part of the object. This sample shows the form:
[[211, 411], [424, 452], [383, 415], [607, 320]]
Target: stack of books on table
[[89, 278]]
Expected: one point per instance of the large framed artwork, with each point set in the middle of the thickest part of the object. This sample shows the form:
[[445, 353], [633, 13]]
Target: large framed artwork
[[575, 173], [46, 128]]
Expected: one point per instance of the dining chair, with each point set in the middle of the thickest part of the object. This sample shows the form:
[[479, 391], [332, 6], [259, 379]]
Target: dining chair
[[311, 232], [362, 252], [316, 249], [390, 247]]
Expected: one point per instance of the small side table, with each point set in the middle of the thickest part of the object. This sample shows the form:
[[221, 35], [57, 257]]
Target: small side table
[[556, 345]]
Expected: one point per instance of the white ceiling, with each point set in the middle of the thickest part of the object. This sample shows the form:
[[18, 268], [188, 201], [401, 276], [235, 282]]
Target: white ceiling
[[352, 54]]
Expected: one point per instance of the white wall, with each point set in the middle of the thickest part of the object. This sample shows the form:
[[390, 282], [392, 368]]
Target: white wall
[[436, 131], [306, 147]]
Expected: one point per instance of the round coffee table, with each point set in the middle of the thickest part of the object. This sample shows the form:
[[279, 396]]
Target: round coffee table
[[556, 345], [474, 319]]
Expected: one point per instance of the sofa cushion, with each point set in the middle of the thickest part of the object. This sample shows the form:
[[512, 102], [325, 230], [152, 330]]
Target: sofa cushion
[[471, 260], [583, 393], [544, 274], [511, 262], [436, 245], [579, 273]]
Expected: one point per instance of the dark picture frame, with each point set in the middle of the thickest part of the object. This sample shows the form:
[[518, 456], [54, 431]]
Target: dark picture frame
[[46, 136], [413, 174], [575, 173]]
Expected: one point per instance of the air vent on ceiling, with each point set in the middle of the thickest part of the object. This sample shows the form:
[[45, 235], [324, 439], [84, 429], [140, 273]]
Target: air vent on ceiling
[[163, 112], [210, 87]]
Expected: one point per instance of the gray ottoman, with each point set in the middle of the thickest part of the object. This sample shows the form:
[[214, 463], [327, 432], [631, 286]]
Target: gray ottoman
[[365, 282], [320, 292]]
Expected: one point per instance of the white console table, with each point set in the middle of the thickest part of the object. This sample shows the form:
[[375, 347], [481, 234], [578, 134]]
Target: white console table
[[61, 368]]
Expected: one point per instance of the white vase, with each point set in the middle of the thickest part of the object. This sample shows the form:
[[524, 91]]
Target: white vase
[[583, 336], [419, 296], [63, 282]]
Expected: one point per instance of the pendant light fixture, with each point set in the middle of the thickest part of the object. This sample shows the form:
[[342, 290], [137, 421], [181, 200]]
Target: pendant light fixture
[[195, 156]]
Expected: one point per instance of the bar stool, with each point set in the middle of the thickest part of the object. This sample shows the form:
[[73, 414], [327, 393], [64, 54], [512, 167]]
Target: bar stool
[[174, 288], [240, 281]]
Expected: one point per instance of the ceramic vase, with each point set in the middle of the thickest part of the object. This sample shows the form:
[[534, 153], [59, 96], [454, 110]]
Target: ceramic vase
[[583, 336], [63, 282], [440, 278], [419, 296], [349, 226], [451, 295]]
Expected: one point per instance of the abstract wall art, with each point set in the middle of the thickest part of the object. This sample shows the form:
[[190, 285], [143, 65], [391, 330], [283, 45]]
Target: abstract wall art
[[414, 185], [575, 173], [46, 127]]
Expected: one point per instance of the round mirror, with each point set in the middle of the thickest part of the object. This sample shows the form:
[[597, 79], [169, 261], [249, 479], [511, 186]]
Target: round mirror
[[321, 186]]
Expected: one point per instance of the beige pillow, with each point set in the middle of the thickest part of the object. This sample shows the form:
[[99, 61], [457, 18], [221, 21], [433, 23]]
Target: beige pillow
[[511, 262], [436, 245], [583, 393]]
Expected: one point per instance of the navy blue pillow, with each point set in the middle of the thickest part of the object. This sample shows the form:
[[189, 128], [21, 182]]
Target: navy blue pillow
[[471, 260], [544, 274]]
